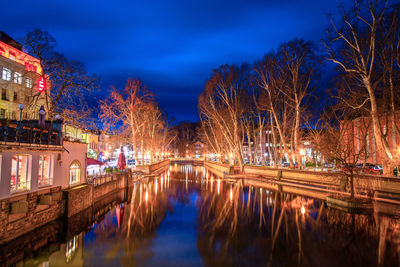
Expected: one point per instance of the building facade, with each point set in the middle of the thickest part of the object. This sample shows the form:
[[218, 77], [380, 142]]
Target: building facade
[[358, 132], [21, 81], [33, 158]]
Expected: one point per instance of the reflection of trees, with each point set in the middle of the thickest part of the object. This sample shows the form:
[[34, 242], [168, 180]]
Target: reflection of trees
[[242, 225]]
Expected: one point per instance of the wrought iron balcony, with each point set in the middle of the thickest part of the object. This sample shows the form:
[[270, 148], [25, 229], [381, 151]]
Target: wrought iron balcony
[[28, 132]]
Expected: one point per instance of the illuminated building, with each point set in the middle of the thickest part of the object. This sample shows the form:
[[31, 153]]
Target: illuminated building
[[21, 81]]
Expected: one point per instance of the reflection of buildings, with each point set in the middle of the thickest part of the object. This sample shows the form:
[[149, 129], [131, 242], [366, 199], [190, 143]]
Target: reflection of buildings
[[70, 253]]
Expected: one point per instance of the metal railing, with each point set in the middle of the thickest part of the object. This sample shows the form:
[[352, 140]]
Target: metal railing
[[27, 132], [97, 180]]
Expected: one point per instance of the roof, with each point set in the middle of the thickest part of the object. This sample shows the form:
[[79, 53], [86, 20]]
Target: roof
[[90, 161]]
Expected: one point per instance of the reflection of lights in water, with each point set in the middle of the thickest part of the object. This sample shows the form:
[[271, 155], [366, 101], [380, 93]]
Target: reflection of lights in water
[[303, 210], [71, 248], [218, 185], [146, 196], [162, 181], [231, 194], [155, 187]]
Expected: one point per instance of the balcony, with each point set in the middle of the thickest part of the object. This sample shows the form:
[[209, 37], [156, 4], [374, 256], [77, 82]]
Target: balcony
[[28, 132]]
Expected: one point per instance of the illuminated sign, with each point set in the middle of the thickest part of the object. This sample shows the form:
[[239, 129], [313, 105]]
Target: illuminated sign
[[30, 67], [41, 84]]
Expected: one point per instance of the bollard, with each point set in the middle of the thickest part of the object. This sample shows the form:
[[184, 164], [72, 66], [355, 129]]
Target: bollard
[[279, 175]]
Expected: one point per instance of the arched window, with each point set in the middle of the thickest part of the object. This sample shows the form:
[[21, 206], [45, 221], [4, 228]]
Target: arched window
[[75, 173]]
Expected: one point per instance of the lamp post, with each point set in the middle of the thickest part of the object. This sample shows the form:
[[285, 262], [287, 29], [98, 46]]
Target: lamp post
[[20, 107]]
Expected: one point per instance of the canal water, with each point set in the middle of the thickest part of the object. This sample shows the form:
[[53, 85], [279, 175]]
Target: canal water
[[189, 217]]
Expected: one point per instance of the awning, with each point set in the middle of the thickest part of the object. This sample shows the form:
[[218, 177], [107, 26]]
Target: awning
[[90, 161]]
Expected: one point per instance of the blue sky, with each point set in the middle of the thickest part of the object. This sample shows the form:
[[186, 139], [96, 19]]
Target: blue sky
[[171, 45]]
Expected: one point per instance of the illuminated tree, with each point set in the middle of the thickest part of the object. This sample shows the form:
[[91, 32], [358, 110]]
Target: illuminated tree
[[363, 49], [69, 81]]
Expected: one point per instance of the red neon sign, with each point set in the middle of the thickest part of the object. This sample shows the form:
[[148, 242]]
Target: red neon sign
[[41, 84]]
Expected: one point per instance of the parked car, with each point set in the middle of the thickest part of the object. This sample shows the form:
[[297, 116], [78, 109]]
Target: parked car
[[372, 169], [367, 168], [328, 165]]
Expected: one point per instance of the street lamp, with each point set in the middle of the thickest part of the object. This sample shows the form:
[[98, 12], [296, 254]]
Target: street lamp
[[20, 107]]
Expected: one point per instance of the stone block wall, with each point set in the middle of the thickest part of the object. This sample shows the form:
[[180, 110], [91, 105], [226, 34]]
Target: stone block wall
[[78, 199], [13, 225], [218, 168], [104, 189]]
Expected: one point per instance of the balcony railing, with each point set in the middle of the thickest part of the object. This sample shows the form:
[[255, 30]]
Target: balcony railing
[[29, 132]]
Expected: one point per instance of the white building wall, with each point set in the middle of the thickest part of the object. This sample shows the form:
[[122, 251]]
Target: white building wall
[[61, 162], [74, 151]]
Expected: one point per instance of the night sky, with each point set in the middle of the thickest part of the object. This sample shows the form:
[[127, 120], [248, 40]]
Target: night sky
[[171, 45]]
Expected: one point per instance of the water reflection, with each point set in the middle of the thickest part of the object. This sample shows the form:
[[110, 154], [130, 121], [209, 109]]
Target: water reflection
[[189, 216]]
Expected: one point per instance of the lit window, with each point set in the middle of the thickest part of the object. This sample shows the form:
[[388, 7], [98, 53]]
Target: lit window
[[75, 173], [28, 83], [2, 51], [18, 77], [19, 174], [6, 75], [12, 56], [2, 113], [45, 177]]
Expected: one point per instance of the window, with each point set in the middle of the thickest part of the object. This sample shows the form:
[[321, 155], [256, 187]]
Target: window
[[19, 174], [15, 96], [18, 77], [12, 56], [28, 83], [6, 75], [2, 113], [45, 165], [2, 51], [4, 94], [75, 173]]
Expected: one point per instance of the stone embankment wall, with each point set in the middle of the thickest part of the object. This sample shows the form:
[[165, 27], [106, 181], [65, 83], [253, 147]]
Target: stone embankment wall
[[219, 169], [22, 213], [148, 169], [365, 183], [82, 197]]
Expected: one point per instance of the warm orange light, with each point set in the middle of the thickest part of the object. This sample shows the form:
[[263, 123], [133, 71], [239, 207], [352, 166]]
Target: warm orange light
[[30, 63], [303, 210]]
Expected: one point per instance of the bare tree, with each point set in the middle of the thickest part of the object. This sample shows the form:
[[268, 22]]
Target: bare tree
[[355, 47], [221, 105], [69, 80]]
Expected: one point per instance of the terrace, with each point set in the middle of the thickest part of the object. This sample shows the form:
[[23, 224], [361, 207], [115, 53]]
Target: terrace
[[30, 133]]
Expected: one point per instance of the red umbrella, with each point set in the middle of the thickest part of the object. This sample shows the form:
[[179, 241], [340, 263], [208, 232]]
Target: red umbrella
[[121, 160]]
